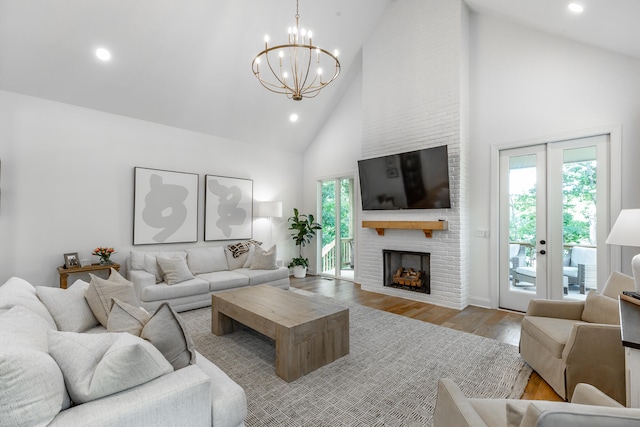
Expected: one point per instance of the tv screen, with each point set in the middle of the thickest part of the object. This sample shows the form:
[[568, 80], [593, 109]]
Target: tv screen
[[412, 180]]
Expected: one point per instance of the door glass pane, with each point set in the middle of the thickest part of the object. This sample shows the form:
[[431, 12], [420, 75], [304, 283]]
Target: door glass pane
[[346, 228], [522, 223], [328, 257], [579, 221]]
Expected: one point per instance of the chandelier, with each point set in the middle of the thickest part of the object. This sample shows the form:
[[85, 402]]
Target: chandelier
[[296, 68]]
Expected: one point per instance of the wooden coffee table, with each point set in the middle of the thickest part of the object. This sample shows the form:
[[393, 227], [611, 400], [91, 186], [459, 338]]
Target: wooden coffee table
[[309, 332]]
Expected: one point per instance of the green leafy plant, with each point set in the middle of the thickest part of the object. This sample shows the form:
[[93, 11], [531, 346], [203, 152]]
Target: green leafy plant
[[303, 229]]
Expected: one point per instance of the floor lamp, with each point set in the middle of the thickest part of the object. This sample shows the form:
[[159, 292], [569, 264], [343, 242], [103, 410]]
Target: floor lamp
[[626, 232], [269, 210]]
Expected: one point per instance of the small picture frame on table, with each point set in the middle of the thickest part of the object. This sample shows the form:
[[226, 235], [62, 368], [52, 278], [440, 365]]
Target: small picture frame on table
[[71, 260]]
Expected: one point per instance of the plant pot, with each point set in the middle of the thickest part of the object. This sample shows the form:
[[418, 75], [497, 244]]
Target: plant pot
[[299, 271]]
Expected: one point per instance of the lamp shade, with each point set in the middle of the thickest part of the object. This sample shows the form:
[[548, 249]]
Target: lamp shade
[[269, 209], [626, 230]]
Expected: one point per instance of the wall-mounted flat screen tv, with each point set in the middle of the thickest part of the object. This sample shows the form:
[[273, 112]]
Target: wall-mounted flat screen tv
[[412, 180]]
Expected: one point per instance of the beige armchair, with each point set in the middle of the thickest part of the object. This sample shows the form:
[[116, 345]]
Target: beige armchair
[[589, 407], [571, 342]]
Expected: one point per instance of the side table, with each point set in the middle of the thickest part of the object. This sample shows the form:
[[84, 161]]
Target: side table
[[64, 272]]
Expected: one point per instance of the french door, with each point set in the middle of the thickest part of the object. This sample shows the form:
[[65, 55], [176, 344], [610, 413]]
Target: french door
[[553, 219], [337, 253]]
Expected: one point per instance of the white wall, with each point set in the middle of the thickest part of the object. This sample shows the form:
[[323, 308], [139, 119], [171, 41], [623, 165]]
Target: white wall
[[526, 85], [67, 181]]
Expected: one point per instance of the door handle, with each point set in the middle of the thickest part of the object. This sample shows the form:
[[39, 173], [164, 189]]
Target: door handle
[[542, 252]]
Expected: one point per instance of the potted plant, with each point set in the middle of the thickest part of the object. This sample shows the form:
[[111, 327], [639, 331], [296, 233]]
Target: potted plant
[[303, 230]]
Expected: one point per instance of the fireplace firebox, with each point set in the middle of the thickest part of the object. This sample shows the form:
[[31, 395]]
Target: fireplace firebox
[[407, 270]]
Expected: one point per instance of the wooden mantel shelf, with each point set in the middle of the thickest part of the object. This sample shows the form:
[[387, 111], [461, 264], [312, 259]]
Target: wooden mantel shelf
[[426, 226]]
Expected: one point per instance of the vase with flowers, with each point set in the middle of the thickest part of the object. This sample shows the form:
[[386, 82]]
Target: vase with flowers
[[105, 254]]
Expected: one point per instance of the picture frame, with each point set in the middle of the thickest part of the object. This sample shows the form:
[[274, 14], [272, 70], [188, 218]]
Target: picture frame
[[228, 212], [71, 260], [165, 206]]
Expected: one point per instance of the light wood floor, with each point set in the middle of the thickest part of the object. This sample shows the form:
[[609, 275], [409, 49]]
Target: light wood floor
[[500, 325]]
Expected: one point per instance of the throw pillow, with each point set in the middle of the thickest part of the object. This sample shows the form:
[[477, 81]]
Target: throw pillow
[[250, 254], [101, 293], [68, 307], [166, 331], [32, 389], [240, 248], [238, 262], [616, 283], [600, 309], [98, 365], [16, 291], [126, 318], [114, 276], [206, 260], [264, 260], [175, 270]]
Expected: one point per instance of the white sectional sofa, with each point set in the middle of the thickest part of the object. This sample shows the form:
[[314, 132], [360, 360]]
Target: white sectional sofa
[[210, 270], [35, 389]]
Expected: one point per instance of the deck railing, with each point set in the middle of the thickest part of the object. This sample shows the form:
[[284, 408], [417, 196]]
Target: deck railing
[[329, 255]]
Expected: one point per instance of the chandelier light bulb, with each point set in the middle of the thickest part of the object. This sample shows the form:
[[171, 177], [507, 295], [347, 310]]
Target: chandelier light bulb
[[293, 118], [310, 34], [336, 53], [266, 38], [319, 71], [285, 75]]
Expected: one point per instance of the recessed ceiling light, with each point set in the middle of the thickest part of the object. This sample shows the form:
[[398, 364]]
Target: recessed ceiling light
[[293, 118], [103, 54], [575, 7]]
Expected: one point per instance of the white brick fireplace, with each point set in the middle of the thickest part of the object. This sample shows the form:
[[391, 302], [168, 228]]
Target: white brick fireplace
[[415, 95]]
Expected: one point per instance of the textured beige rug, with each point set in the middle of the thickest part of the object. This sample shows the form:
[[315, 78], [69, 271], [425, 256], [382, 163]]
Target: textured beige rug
[[388, 379]]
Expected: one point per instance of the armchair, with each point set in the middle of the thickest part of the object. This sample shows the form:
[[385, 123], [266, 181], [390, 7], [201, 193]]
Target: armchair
[[589, 407], [571, 342]]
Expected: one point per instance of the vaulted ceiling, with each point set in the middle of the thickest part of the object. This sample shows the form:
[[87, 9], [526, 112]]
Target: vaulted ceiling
[[187, 63]]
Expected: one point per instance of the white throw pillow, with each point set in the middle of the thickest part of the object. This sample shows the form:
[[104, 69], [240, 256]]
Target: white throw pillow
[[617, 283], [32, 389], [235, 262], [101, 293], [264, 260], [126, 318], [151, 266], [16, 291], [68, 307], [167, 332], [250, 255], [98, 365], [175, 270]]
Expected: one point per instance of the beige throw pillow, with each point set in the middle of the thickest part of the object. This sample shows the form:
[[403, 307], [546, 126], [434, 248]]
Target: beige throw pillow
[[175, 270], [166, 331], [68, 307], [616, 283], [127, 318], [98, 365], [264, 260], [101, 293], [600, 309]]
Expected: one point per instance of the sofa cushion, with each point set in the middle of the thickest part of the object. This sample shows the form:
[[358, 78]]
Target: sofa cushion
[[32, 389], [617, 283], [68, 307], [221, 280], [166, 331], [126, 318], [99, 365], [581, 255], [162, 291], [258, 277], [552, 333], [600, 309], [174, 270], [16, 291], [264, 259], [101, 292], [207, 260]]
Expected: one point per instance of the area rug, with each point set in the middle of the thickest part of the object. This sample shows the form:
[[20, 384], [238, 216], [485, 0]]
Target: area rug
[[389, 378]]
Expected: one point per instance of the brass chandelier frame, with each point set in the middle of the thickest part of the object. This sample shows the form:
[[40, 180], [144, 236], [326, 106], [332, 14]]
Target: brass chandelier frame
[[293, 75]]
